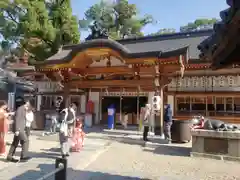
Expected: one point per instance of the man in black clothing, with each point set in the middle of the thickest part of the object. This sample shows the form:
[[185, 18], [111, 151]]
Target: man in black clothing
[[20, 134], [167, 123]]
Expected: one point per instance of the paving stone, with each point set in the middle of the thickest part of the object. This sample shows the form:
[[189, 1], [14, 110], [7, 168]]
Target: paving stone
[[170, 162], [44, 154]]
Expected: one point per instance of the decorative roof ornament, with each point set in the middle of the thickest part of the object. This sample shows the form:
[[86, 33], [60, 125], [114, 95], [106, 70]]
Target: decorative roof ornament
[[97, 32]]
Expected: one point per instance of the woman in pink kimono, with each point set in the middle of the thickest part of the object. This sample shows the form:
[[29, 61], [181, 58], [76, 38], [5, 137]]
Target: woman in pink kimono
[[78, 136], [3, 127]]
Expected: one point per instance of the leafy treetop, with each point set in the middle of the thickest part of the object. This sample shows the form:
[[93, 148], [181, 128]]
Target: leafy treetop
[[118, 19], [38, 27]]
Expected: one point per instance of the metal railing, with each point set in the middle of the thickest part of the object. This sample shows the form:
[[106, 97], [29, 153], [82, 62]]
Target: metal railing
[[60, 172]]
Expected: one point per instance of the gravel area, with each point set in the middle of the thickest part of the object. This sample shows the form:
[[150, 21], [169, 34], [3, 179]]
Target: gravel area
[[166, 162]]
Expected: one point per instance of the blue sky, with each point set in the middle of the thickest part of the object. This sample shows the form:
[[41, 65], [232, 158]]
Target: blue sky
[[168, 13]]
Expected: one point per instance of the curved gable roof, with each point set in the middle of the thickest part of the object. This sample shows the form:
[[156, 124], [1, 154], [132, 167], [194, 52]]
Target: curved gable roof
[[68, 52]]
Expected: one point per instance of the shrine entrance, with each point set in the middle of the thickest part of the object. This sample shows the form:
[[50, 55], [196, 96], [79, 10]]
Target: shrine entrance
[[129, 106], [103, 66]]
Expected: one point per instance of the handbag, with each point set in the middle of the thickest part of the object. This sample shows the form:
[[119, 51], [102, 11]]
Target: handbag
[[64, 128]]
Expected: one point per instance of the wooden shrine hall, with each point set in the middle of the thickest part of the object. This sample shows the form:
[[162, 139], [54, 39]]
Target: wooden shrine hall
[[129, 72], [106, 66]]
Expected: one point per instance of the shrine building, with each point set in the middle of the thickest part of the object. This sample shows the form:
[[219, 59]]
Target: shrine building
[[127, 73]]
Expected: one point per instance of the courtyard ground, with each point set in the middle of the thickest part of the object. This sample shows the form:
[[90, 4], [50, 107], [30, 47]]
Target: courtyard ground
[[120, 155]]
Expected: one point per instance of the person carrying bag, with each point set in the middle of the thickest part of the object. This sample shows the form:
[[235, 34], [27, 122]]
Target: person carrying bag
[[67, 117]]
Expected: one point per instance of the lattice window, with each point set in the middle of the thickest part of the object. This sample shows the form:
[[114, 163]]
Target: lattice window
[[209, 81], [222, 81], [215, 81], [238, 80], [230, 80], [195, 81], [203, 81], [187, 82]]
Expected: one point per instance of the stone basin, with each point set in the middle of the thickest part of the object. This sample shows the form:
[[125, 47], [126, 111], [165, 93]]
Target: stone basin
[[222, 145]]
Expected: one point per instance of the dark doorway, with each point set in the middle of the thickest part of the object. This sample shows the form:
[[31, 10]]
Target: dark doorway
[[128, 105]]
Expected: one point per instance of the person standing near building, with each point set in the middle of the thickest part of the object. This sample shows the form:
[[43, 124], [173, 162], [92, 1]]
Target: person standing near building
[[67, 118], [3, 127], [29, 120], [168, 123], [72, 118], [20, 134], [146, 121], [78, 136]]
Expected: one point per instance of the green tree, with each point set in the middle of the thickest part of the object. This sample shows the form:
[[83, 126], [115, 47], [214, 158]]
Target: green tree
[[39, 27], [119, 19], [164, 31], [199, 24]]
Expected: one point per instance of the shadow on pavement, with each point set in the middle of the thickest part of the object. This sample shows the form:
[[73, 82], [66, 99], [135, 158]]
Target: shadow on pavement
[[124, 140], [46, 154], [171, 150], [72, 174]]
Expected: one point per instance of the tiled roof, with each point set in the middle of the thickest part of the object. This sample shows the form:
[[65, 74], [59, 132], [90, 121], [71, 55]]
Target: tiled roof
[[10, 77], [147, 44], [171, 43]]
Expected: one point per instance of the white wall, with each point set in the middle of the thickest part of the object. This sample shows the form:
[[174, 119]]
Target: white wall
[[83, 103], [94, 96], [170, 100]]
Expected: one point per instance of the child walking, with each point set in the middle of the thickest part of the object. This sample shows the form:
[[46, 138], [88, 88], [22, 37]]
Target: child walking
[[78, 136]]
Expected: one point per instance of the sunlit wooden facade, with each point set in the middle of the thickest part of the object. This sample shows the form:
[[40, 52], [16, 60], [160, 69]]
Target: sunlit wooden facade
[[92, 68], [98, 69]]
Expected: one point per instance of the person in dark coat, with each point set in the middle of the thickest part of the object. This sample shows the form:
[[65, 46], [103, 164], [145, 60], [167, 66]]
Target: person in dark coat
[[167, 123], [20, 134], [146, 121]]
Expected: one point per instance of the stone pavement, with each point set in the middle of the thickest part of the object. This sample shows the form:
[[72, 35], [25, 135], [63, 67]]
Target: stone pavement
[[129, 161], [121, 155], [44, 153], [129, 158]]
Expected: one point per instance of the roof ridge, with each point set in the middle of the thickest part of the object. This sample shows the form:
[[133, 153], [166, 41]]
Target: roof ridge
[[178, 35]]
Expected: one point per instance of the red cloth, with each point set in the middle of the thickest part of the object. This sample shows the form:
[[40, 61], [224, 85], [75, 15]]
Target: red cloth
[[77, 139], [3, 124], [2, 144], [200, 126], [3, 131]]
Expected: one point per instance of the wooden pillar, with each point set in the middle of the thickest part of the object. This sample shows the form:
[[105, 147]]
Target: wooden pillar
[[138, 101], [66, 92], [161, 110], [163, 83], [120, 112]]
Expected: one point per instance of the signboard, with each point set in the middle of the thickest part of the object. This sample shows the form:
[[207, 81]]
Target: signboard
[[128, 94]]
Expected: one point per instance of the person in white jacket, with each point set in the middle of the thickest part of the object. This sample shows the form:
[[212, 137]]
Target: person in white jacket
[[29, 120]]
